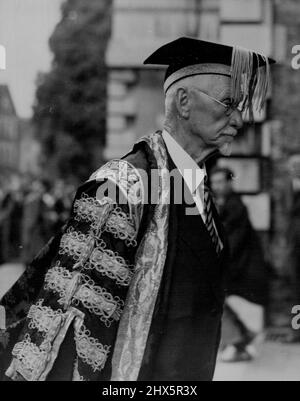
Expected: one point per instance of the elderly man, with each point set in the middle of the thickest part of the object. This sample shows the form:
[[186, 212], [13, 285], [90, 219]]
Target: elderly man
[[132, 288]]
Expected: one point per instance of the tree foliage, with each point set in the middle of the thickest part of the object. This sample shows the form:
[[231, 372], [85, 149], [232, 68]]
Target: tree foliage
[[70, 106]]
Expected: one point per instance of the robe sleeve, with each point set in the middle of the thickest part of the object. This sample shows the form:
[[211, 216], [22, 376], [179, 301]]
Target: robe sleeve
[[86, 271]]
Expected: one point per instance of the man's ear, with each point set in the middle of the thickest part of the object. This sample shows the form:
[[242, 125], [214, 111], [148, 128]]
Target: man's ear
[[183, 103]]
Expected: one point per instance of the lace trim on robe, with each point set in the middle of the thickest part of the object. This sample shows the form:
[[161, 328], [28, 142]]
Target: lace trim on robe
[[90, 350], [121, 226], [78, 288], [110, 264], [33, 362], [30, 359], [44, 319], [77, 245], [93, 210], [98, 301]]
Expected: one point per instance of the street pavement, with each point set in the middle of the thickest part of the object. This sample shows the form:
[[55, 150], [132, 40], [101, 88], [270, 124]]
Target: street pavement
[[9, 274], [275, 361]]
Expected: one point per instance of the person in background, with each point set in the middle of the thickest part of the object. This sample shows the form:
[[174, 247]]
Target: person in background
[[11, 220], [2, 216], [247, 280], [34, 227], [61, 206]]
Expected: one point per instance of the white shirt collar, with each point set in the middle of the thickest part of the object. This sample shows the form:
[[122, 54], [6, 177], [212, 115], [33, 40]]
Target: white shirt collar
[[192, 174]]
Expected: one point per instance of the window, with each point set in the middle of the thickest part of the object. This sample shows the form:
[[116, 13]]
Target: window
[[241, 10]]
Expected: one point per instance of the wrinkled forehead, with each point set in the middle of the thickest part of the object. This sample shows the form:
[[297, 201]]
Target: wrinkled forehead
[[197, 70], [210, 83], [219, 85]]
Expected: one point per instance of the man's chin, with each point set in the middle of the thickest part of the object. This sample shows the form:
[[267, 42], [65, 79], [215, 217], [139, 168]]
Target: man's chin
[[226, 149]]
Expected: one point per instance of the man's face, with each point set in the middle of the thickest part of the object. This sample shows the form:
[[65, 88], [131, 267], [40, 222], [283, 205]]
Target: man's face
[[209, 120], [220, 185]]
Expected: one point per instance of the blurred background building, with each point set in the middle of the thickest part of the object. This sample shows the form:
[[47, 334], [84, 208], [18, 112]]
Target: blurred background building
[[9, 133], [19, 149]]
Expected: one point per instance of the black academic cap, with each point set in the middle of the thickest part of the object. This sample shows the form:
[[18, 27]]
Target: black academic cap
[[185, 51], [186, 57]]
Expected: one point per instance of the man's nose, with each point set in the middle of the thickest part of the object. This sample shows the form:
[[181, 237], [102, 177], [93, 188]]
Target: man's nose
[[236, 119]]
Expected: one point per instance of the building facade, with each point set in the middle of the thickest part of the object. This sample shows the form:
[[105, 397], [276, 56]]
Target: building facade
[[136, 105], [19, 150], [9, 133]]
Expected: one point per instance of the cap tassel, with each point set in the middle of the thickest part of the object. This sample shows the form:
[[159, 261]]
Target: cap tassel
[[252, 82]]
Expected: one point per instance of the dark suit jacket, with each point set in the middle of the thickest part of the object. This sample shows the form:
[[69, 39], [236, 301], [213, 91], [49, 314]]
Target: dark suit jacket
[[248, 275]]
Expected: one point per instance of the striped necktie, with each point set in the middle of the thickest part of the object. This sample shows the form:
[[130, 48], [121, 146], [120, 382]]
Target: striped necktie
[[210, 220]]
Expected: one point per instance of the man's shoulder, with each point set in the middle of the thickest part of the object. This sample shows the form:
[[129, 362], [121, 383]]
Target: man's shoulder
[[143, 156], [127, 173], [132, 170], [125, 166], [138, 159]]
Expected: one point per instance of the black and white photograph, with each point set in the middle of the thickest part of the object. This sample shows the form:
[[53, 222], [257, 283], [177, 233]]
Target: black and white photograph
[[150, 193]]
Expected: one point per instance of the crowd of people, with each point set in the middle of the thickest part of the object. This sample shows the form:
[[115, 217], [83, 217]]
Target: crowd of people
[[31, 211]]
